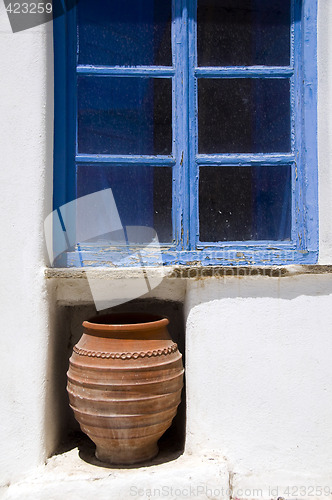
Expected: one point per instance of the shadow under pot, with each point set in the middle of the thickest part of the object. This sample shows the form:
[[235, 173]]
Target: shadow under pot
[[124, 383]]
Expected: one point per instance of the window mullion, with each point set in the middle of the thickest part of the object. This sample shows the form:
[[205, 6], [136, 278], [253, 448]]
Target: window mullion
[[156, 71], [243, 159], [244, 71], [119, 160], [180, 124]]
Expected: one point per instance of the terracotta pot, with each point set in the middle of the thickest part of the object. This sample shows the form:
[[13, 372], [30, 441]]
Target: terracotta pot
[[124, 383]]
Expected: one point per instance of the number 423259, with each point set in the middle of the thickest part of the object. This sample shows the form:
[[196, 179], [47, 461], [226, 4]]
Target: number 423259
[[29, 8]]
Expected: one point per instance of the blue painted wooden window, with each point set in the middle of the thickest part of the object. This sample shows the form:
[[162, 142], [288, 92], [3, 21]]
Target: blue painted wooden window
[[201, 117]]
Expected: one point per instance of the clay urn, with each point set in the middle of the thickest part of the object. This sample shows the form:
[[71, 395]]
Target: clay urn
[[124, 383]]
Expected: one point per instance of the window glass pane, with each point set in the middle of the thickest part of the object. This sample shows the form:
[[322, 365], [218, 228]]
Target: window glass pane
[[143, 194], [243, 115], [124, 33], [245, 203], [243, 32], [124, 115]]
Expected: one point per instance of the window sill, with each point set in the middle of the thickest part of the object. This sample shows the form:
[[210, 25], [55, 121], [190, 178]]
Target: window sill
[[70, 285], [251, 254], [187, 272]]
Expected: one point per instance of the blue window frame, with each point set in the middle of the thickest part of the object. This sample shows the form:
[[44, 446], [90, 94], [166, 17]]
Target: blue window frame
[[210, 138]]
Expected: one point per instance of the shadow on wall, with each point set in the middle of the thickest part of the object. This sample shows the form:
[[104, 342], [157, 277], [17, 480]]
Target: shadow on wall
[[67, 333], [243, 286]]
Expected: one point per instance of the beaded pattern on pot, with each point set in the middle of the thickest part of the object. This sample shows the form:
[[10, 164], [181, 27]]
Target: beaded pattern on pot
[[126, 355]]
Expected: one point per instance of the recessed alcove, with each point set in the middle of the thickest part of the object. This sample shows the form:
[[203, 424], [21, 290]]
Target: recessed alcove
[[68, 330]]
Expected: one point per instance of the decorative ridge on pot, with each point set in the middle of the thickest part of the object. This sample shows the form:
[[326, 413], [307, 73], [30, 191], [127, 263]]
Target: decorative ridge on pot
[[124, 384]]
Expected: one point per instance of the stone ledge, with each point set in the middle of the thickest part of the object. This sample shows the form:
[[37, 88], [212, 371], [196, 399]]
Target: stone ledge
[[75, 476], [187, 272]]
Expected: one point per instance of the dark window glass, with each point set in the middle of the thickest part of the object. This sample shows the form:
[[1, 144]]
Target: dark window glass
[[243, 32], [245, 203], [243, 115], [125, 32], [124, 115], [143, 194]]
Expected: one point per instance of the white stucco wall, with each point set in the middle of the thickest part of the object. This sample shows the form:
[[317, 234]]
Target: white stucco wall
[[26, 186], [259, 377]]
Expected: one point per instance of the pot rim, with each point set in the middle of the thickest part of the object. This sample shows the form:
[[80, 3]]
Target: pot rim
[[139, 321]]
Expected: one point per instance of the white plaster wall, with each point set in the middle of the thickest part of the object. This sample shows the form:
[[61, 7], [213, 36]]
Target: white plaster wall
[[258, 373], [324, 41], [258, 350], [25, 183]]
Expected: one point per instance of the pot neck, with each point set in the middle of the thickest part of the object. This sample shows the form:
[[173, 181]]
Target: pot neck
[[127, 325]]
